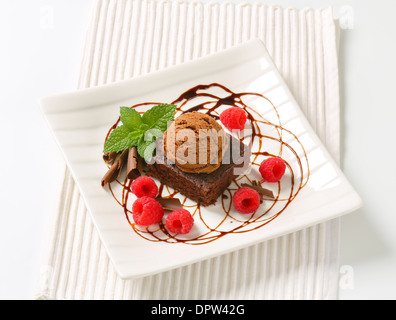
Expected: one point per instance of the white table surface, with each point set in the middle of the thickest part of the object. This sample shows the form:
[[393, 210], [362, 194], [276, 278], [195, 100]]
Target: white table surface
[[41, 46]]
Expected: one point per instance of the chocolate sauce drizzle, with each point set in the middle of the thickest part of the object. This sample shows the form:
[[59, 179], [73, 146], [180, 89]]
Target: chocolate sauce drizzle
[[213, 99]]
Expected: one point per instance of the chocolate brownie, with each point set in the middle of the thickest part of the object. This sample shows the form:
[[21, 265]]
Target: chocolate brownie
[[200, 187]]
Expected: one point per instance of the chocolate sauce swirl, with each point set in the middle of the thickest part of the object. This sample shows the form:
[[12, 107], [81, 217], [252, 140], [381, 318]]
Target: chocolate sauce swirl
[[268, 138]]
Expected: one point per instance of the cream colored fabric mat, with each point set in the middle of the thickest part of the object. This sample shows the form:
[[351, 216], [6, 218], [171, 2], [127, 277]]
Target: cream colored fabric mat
[[127, 38]]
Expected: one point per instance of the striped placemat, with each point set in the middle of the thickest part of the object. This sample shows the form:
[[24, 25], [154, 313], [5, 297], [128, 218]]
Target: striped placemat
[[127, 38]]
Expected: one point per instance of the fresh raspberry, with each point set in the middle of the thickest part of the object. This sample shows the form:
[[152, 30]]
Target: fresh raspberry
[[246, 200], [272, 169], [144, 187], [147, 211], [233, 118], [180, 221]]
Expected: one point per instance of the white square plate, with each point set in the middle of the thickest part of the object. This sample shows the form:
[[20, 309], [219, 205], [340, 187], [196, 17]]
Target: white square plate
[[80, 121]]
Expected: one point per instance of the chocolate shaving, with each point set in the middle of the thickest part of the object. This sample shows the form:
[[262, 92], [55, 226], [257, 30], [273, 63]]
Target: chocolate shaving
[[135, 164], [262, 191], [170, 204], [110, 157], [115, 170]]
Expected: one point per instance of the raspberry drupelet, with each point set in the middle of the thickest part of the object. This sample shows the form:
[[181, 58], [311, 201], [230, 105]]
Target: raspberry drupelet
[[246, 200], [233, 118], [144, 187], [147, 211], [272, 169], [180, 221]]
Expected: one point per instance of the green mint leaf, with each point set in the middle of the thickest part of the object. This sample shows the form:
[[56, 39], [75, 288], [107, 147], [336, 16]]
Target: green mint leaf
[[143, 127], [130, 118], [146, 145], [140, 132], [146, 150], [121, 138], [158, 117]]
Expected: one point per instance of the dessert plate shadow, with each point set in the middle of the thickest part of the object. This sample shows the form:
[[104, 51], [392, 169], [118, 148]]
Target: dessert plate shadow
[[80, 121]]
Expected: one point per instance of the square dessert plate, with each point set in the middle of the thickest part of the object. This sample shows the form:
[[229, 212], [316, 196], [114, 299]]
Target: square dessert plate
[[315, 189]]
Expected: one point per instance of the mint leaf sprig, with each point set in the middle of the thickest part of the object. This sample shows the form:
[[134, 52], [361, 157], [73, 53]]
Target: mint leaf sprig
[[140, 131]]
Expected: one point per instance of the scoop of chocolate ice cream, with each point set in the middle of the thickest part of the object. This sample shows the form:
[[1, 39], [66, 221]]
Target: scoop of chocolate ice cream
[[195, 142]]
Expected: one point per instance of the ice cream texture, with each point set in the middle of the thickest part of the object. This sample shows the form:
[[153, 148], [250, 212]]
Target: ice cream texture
[[195, 142]]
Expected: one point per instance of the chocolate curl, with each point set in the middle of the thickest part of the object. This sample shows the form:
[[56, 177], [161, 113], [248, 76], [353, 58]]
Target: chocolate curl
[[110, 157], [169, 204], [115, 170], [135, 164], [261, 191]]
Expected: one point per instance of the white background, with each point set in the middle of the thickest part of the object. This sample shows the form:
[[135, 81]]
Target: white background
[[37, 61]]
